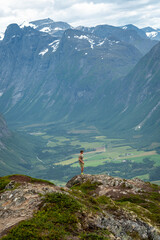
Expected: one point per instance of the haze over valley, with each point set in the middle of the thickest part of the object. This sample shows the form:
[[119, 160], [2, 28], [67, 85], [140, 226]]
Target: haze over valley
[[65, 88]]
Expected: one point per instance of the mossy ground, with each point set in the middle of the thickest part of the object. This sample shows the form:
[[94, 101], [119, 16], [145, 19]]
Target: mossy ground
[[3, 182], [86, 187]]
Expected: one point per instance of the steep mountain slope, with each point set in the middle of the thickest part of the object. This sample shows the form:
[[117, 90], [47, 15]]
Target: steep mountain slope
[[4, 132], [17, 150], [22, 68], [59, 76], [140, 91], [90, 207]]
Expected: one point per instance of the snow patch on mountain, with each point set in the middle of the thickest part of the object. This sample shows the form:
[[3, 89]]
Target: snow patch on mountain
[[100, 43], [54, 45], [91, 41], [45, 29], [58, 29], [151, 34], [27, 24], [1, 94], [43, 52]]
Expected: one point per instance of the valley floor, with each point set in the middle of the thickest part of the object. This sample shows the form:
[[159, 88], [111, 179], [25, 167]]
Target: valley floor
[[55, 154]]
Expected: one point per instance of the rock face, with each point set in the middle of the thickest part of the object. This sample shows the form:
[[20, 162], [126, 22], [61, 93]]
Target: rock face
[[100, 210], [20, 203], [119, 221]]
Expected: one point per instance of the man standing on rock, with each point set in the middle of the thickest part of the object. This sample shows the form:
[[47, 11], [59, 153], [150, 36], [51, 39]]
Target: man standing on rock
[[81, 161]]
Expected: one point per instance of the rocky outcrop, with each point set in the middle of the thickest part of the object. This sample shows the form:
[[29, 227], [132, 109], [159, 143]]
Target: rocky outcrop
[[113, 187], [100, 200], [19, 203], [122, 223]]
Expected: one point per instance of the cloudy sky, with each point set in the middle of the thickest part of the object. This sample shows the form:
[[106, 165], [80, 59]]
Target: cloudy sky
[[82, 12]]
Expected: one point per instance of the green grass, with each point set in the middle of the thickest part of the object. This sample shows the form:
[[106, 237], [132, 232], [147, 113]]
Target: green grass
[[3, 182], [86, 187], [107, 203], [155, 158]]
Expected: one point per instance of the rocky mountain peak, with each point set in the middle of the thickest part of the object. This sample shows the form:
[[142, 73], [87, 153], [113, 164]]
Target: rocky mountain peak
[[12, 31], [42, 21]]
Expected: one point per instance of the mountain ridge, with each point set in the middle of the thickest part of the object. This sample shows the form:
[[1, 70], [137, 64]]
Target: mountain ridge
[[77, 55]]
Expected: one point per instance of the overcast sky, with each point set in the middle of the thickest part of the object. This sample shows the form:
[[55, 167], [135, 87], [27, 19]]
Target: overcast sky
[[82, 12]]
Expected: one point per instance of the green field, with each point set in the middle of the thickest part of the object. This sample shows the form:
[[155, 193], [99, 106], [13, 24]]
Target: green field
[[50, 151], [57, 159]]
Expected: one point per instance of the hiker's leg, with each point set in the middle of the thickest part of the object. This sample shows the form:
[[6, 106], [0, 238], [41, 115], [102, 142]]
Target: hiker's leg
[[82, 168]]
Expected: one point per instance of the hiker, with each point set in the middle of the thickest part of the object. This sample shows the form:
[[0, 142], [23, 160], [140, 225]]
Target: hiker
[[81, 162]]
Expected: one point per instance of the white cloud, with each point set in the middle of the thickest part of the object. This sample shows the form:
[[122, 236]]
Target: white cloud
[[82, 12]]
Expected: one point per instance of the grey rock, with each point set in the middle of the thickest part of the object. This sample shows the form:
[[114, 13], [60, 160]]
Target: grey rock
[[10, 185]]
